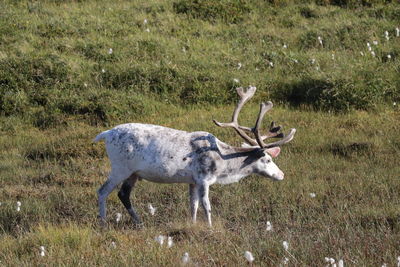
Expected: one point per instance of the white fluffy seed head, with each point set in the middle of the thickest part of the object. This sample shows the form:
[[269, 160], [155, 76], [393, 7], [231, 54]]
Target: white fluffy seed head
[[170, 242], [160, 239], [110, 51], [236, 80], [113, 245], [320, 40], [118, 218], [340, 263], [42, 251], [185, 258], [249, 257], [269, 226], [313, 195], [152, 210], [18, 203], [285, 245], [285, 261]]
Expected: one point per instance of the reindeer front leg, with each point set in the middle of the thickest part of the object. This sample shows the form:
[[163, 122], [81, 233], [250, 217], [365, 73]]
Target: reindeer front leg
[[194, 200], [203, 192]]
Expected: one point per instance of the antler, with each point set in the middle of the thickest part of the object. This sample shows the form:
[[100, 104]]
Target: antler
[[274, 131], [244, 97]]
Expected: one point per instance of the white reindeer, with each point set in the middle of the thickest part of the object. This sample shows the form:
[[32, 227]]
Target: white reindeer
[[164, 155]]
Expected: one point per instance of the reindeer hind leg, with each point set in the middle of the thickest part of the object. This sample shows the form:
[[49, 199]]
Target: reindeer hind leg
[[124, 195]]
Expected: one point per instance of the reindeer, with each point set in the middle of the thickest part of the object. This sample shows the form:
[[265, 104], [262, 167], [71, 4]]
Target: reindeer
[[164, 155]]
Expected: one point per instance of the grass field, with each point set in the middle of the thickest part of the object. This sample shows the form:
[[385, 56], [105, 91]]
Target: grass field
[[176, 63]]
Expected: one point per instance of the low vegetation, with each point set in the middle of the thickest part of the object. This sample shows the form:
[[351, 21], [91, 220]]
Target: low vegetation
[[70, 69]]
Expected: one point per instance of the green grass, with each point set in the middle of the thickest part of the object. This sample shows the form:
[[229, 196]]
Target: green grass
[[347, 160], [55, 98]]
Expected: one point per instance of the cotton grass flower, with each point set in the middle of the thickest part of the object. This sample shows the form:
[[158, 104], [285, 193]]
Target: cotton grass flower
[[331, 261], [269, 226], [170, 242], [42, 251], [271, 64], [239, 66], [373, 53], [152, 210], [312, 61], [103, 70], [160, 239], [249, 257], [284, 46], [236, 80], [285, 261], [312, 195], [387, 35], [333, 56], [375, 42], [18, 206], [320, 40], [147, 30], [397, 32], [145, 21], [389, 56], [113, 245], [285, 245], [118, 218], [110, 51], [185, 258]]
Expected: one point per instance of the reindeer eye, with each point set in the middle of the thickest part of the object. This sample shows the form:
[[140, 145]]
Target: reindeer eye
[[268, 161]]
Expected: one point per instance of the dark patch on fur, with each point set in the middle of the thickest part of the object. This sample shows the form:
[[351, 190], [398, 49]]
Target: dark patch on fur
[[253, 157]]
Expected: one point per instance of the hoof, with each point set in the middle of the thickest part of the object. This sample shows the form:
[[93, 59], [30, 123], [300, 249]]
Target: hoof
[[102, 223]]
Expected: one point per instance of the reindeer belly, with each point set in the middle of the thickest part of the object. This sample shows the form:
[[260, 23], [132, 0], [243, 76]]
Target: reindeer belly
[[169, 170], [166, 176]]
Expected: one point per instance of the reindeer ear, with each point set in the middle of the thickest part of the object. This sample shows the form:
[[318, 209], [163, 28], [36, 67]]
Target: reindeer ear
[[274, 151]]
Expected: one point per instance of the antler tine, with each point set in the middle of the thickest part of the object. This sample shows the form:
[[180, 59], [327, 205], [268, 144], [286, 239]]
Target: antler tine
[[244, 97], [285, 140], [264, 107]]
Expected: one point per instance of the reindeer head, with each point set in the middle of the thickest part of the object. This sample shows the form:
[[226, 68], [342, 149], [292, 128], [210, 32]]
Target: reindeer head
[[261, 153]]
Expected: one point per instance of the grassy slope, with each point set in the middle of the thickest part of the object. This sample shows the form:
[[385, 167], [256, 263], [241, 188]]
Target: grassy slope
[[54, 171]]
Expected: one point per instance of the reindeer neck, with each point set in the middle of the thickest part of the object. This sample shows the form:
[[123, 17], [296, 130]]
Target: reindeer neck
[[237, 163]]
